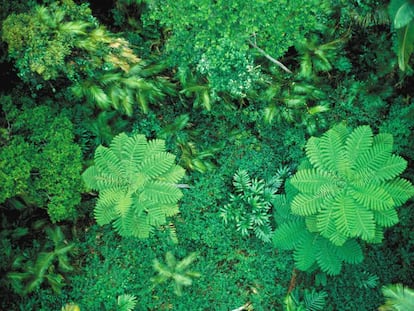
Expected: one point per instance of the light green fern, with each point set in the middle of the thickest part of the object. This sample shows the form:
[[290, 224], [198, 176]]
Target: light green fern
[[352, 187], [137, 184]]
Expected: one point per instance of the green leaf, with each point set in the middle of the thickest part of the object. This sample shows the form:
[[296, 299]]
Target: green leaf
[[307, 204], [289, 234], [372, 197], [327, 258], [365, 224], [305, 252], [394, 166], [358, 143], [400, 190], [404, 15], [344, 214], [350, 252], [311, 180]]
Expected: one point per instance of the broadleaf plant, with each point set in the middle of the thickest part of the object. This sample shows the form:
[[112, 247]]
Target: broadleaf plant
[[137, 184]]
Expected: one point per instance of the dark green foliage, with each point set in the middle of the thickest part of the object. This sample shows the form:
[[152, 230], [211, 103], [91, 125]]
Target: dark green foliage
[[52, 260], [39, 161], [176, 271], [212, 38], [137, 186]]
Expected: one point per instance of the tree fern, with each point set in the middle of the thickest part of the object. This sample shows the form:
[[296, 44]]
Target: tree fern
[[353, 184], [347, 189], [136, 181]]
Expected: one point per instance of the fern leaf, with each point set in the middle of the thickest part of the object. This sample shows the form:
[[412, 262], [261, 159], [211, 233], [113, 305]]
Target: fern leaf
[[327, 228], [377, 155], [133, 152], [157, 164], [306, 204], [311, 180], [314, 301], [397, 297], [90, 177], [364, 224], [372, 197], [327, 258], [333, 152], [156, 215], [161, 192], [343, 212], [174, 174], [394, 166], [358, 143], [305, 252], [154, 146], [400, 190], [386, 218], [313, 152], [107, 162], [289, 234], [104, 211], [123, 205], [350, 252], [312, 223], [241, 180], [117, 146], [139, 226], [126, 302]]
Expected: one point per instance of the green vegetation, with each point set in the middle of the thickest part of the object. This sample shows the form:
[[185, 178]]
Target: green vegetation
[[206, 155]]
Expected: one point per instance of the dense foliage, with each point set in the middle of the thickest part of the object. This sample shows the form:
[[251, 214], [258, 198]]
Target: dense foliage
[[206, 155]]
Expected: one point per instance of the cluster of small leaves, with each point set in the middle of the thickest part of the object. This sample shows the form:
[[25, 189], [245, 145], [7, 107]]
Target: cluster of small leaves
[[311, 301], [250, 206], [46, 170], [212, 37], [29, 271]]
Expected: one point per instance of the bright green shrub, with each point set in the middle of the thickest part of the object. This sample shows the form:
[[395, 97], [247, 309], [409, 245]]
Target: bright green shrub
[[349, 189], [39, 161], [137, 186]]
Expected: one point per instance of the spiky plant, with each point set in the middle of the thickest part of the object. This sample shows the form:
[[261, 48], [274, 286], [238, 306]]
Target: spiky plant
[[175, 271], [397, 298]]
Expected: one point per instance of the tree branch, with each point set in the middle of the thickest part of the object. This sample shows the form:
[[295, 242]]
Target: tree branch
[[275, 61]]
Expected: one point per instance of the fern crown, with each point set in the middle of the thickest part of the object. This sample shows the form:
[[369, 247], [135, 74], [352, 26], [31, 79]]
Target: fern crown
[[350, 188], [137, 184]]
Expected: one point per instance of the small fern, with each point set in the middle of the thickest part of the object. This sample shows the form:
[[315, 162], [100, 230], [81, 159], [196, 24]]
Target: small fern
[[250, 206], [137, 184], [126, 302]]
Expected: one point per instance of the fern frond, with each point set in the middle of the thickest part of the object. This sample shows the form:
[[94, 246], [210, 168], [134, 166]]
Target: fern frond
[[126, 302], [386, 218], [90, 178], [311, 180], [400, 190], [350, 252], [289, 234], [306, 204], [327, 228], [313, 152], [344, 215], [358, 143], [314, 301], [327, 258], [397, 297], [241, 180], [377, 155], [154, 146], [105, 211], [365, 224], [133, 152], [161, 192], [107, 162], [173, 175], [306, 251], [372, 197], [157, 164], [117, 146], [333, 152], [393, 167]]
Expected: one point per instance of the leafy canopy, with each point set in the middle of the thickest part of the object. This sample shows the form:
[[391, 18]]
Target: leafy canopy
[[137, 184]]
